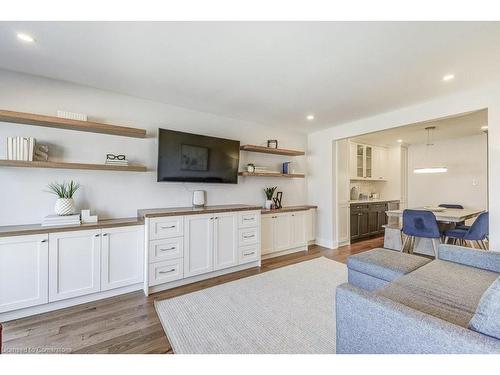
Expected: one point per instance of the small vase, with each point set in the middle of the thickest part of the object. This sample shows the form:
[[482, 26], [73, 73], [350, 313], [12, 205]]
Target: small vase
[[268, 204], [64, 206]]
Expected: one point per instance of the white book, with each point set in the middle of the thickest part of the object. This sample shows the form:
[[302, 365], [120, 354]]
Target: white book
[[19, 148], [14, 149], [31, 148], [25, 149], [9, 148]]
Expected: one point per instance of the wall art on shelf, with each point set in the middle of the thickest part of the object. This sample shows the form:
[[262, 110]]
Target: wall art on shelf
[[41, 152], [277, 200], [272, 143]]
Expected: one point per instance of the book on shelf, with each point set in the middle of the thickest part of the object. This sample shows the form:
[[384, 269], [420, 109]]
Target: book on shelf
[[20, 148], [54, 220]]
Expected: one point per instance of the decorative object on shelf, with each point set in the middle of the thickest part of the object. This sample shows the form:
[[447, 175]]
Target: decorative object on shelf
[[65, 205], [277, 200], [41, 153], [112, 159], [250, 168], [199, 198], [20, 148], [87, 218], [72, 115], [272, 143], [269, 197], [286, 167]]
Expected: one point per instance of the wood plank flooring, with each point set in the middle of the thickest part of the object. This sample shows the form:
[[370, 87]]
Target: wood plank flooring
[[128, 323]]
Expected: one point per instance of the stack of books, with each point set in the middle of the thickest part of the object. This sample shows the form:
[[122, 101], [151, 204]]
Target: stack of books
[[55, 220], [262, 170], [20, 148], [115, 161]]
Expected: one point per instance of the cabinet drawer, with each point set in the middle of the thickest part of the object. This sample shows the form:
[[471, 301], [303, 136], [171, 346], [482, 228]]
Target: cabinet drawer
[[378, 207], [248, 254], [248, 219], [166, 227], [163, 272], [359, 207], [248, 236], [171, 248]]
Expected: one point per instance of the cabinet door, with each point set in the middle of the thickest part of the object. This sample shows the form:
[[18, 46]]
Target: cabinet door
[[354, 224], [368, 162], [267, 234], [360, 161], [198, 244], [364, 228], [282, 232], [380, 163], [225, 240], [353, 160], [310, 223], [122, 257], [373, 227], [74, 264], [23, 271], [298, 229], [343, 223]]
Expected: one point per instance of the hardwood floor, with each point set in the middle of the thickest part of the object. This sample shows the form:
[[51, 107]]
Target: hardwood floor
[[128, 323]]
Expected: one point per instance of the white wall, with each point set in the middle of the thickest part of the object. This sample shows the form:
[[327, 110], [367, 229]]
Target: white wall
[[321, 186], [465, 182], [120, 194]]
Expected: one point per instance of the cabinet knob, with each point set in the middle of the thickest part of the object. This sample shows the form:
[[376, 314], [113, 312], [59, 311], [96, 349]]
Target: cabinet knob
[[43, 241], [96, 235], [104, 234]]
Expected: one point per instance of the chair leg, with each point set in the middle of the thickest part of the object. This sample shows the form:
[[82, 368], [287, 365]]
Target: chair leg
[[405, 242], [434, 247]]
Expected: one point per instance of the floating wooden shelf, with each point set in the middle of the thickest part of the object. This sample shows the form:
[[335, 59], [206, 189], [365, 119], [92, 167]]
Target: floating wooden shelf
[[269, 150], [62, 123], [272, 174], [61, 165]]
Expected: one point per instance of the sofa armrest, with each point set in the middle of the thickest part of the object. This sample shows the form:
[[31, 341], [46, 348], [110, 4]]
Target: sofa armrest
[[367, 323], [487, 260]]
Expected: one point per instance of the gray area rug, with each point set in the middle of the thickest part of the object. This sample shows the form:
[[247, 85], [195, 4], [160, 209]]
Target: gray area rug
[[287, 310]]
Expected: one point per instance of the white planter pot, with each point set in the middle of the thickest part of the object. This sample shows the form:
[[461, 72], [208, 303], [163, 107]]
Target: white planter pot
[[65, 206], [268, 204]]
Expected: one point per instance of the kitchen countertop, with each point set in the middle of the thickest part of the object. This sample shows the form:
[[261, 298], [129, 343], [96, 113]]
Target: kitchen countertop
[[175, 211], [366, 201], [287, 209], [20, 230]]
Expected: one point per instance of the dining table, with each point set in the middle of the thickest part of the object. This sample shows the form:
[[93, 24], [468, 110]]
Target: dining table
[[393, 238]]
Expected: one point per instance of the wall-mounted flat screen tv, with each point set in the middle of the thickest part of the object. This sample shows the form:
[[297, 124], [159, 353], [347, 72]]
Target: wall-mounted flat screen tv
[[186, 157]]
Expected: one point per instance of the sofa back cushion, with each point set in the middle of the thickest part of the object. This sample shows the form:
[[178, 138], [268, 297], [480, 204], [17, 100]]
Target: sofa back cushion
[[486, 320], [486, 260]]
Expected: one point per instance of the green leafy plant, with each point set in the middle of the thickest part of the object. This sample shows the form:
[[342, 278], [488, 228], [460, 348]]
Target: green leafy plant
[[63, 190], [270, 192]]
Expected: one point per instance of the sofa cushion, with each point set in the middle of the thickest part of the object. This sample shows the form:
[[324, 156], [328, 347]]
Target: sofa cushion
[[486, 320], [446, 290], [385, 264]]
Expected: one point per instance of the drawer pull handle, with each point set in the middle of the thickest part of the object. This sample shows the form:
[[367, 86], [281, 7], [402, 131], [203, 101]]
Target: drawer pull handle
[[43, 241], [172, 270], [96, 235], [251, 236], [170, 248], [169, 227], [248, 219], [247, 254], [104, 234]]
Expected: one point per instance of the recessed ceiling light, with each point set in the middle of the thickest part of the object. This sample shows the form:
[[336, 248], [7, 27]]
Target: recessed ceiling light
[[25, 37], [399, 141], [310, 117], [485, 127], [448, 77]]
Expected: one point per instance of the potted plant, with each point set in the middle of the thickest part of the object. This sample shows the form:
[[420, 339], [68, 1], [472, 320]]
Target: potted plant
[[65, 205], [269, 196]]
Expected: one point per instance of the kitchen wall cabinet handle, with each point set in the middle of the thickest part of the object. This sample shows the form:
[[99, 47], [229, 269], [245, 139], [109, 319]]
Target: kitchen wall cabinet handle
[[169, 227], [172, 270], [170, 248], [251, 236]]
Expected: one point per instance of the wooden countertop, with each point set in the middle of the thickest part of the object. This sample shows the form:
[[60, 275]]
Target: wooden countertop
[[368, 201], [287, 209], [178, 211], [20, 230]]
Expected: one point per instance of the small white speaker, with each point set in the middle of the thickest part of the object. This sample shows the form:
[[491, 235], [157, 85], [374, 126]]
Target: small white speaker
[[199, 198]]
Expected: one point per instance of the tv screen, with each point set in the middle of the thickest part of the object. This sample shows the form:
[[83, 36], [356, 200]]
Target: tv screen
[[186, 157]]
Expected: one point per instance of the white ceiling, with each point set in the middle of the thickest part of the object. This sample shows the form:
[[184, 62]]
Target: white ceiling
[[273, 73], [449, 128]]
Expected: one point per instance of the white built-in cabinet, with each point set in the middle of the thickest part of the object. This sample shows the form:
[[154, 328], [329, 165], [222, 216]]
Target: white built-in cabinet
[[198, 244], [287, 230], [24, 271], [225, 240], [367, 162]]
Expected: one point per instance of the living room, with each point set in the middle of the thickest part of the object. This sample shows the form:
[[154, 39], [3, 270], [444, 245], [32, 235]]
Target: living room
[[173, 187]]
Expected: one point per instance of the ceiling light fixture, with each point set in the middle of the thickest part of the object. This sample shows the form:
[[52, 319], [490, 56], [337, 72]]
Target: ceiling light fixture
[[448, 77], [310, 117], [25, 37], [399, 141], [430, 169], [485, 127]]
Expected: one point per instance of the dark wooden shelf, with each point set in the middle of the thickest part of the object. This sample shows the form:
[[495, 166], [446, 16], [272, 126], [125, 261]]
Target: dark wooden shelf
[[269, 150], [271, 174], [62, 165], [62, 123]]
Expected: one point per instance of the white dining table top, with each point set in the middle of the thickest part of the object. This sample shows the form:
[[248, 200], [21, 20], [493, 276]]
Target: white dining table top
[[452, 215]]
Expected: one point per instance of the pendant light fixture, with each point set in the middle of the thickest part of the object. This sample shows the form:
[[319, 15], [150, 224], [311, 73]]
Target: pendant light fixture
[[430, 168]]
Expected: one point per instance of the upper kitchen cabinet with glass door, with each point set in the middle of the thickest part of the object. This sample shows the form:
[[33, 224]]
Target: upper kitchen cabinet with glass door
[[366, 161]]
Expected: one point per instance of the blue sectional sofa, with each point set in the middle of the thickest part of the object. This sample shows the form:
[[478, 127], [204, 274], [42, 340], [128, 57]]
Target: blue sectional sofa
[[448, 305]]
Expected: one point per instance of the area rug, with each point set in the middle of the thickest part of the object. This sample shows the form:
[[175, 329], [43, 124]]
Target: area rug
[[287, 310]]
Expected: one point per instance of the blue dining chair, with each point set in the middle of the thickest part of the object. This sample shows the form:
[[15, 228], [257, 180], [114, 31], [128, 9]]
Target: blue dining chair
[[422, 224], [478, 232]]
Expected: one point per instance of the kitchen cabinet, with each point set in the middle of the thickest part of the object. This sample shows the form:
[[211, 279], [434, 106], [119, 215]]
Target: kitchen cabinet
[[380, 159], [226, 240], [282, 232], [367, 220], [198, 244], [74, 264], [122, 257], [298, 229], [367, 162], [267, 234], [23, 271]]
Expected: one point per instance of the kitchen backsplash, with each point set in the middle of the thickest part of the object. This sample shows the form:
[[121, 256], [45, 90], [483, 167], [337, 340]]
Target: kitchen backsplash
[[365, 187]]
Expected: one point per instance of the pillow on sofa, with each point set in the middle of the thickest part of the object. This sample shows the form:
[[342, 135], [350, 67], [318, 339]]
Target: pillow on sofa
[[486, 320]]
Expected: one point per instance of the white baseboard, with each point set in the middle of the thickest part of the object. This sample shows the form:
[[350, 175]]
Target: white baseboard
[[326, 243], [51, 306], [285, 252]]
